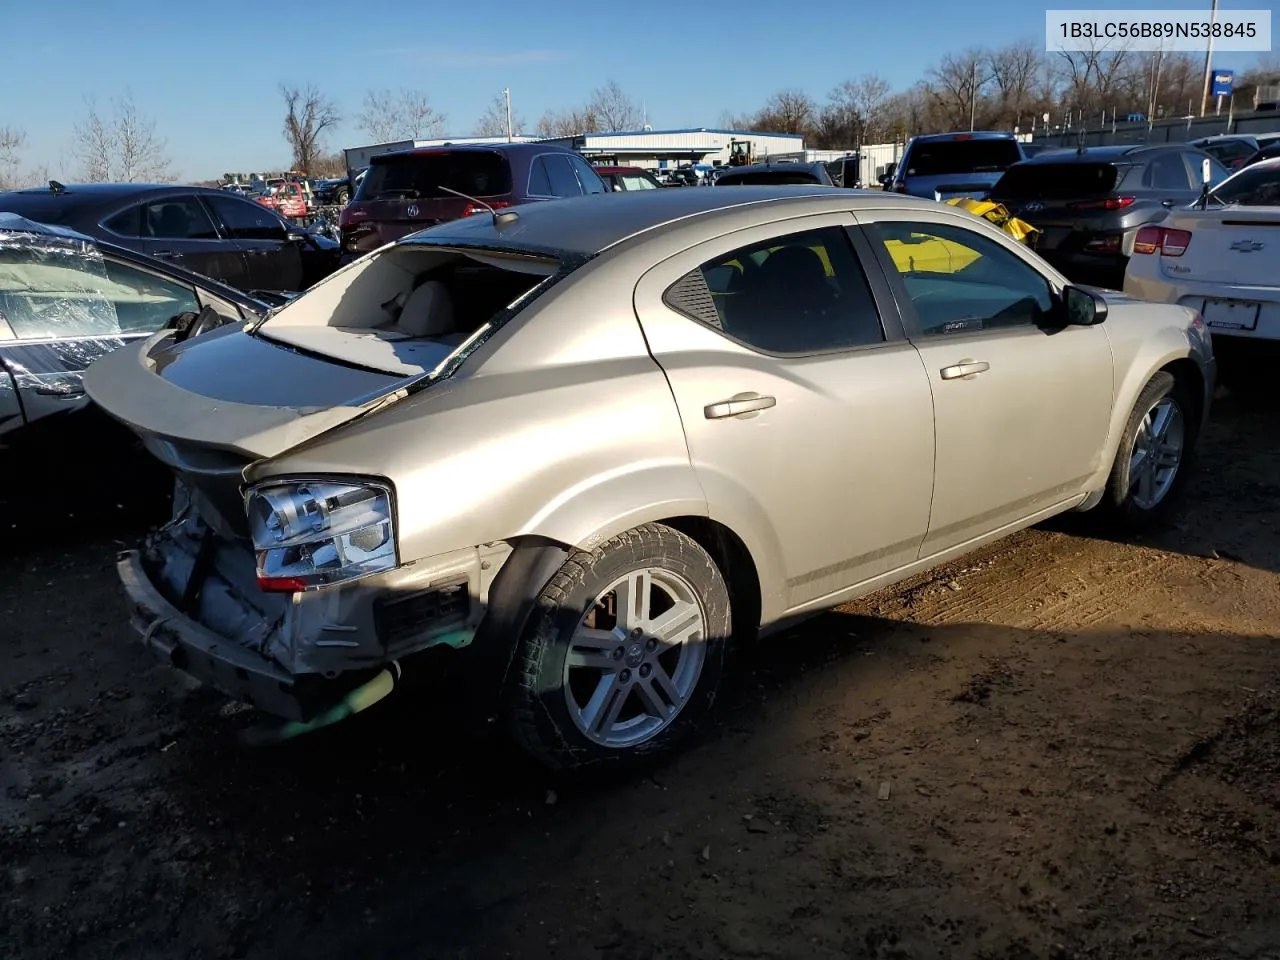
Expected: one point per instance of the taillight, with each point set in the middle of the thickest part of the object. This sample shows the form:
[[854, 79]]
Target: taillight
[[1110, 203], [350, 214], [1171, 243], [473, 208], [1107, 244]]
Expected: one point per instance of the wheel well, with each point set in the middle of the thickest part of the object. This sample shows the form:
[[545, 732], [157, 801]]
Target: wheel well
[[1186, 372], [736, 566]]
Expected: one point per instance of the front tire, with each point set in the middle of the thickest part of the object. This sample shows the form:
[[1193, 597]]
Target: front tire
[[624, 652], [1155, 454]]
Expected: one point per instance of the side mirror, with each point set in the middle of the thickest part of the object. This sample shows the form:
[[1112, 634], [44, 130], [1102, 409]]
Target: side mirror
[[1080, 308]]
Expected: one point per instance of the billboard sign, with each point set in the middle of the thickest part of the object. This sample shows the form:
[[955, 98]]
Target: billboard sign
[[1222, 82]]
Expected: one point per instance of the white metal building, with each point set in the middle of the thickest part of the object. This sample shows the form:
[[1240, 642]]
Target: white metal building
[[357, 157], [659, 149]]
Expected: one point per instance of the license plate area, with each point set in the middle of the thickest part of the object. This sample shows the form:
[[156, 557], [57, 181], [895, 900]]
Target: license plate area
[[1232, 314]]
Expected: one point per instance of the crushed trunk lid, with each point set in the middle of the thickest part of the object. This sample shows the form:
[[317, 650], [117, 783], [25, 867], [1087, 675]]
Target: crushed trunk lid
[[233, 392]]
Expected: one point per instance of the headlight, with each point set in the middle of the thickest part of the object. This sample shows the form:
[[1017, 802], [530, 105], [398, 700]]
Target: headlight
[[312, 533]]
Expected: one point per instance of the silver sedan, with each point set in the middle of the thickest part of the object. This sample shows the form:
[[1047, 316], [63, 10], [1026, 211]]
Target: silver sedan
[[586, 446]]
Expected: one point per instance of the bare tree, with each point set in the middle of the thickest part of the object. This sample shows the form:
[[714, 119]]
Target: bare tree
[[11, 141], [788, 111], [958, 82], [567, 123], [120, 147], [613, 110], [865, 97], [404, 114], [308, 113], [1015, 70], [493, 122]]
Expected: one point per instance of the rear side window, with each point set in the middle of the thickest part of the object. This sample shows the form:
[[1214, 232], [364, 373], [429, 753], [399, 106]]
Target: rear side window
[[1166, 171], [179, 218], [419, 176], [127, 223], [799, 293], [937, 157], [590, 180], [1058, 181], [563, 182], [539, 182]]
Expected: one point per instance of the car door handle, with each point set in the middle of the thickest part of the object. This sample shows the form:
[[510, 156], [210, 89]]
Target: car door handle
[[168, 254], [965, 369], [737, 405]]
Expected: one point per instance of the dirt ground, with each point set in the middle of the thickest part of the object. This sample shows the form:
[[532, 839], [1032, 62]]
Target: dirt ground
[[1065, 746]]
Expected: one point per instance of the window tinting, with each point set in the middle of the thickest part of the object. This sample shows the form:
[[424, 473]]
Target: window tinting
[[933, 158], [181, 218], [539, 182], [1058, 181], [563, 182], [1166, 171], [127, 223], [800, 293], [960, 281], [419, 176], [246, 220], [587, 176]]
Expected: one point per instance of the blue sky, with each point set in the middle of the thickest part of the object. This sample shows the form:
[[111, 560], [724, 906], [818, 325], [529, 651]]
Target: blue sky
[[209, 73]]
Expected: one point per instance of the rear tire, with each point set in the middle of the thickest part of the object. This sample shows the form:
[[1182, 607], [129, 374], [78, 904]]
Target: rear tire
[[623, 654], [1155, 454]]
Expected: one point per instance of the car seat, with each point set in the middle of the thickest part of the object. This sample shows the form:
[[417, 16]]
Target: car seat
[[789, 289], [428, 311]]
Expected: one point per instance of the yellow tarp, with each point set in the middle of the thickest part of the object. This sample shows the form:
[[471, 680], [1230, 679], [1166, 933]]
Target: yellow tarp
[[997, 214]]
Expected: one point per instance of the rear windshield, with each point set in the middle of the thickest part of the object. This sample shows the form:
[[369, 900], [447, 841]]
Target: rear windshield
[[1057, 181], [1257, 186], [772, 177], [418, 176], [939, 157]]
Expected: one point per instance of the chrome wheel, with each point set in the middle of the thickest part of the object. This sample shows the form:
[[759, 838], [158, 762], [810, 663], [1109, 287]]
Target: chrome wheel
[[635, 657], [1157, 453]]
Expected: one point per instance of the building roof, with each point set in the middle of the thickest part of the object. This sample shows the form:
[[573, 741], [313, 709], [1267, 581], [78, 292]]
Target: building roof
[[588, 225], [659, 133]]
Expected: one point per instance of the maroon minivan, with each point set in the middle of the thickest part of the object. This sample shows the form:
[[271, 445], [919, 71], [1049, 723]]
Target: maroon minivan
[[402, 193]]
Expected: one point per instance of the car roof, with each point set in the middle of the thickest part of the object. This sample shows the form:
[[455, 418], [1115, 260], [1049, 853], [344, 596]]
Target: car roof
[[1109, 154], [584, 226], [111, 191], [537, 146], [964, 135], [777, 165]]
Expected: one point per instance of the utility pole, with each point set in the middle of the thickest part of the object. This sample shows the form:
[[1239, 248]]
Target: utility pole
[[973, 93], [1208, 57], [506, 92]]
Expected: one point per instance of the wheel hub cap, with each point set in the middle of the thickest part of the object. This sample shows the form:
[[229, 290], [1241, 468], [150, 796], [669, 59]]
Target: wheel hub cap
[[1157, 453], [635, 657]]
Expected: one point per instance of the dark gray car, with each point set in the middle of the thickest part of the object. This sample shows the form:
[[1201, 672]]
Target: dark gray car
[[776, 174], [1089, 204]]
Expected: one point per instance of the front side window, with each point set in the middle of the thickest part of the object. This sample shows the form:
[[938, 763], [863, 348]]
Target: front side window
[[960, 281], [246, 220], [177, 218], [800, 293], [145, 302]]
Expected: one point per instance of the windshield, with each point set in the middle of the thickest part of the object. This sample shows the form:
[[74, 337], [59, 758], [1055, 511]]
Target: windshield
[[476, 173], [937, 157], [1257, 186], [1058, 181]]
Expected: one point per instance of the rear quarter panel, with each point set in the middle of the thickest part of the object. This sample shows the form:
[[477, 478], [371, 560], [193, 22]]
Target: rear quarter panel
[[560, 426]]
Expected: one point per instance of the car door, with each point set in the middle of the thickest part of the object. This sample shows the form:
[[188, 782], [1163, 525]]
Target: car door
[[274, 254], [176, 228], [1021, 405], [55, 334], [807, 414]]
